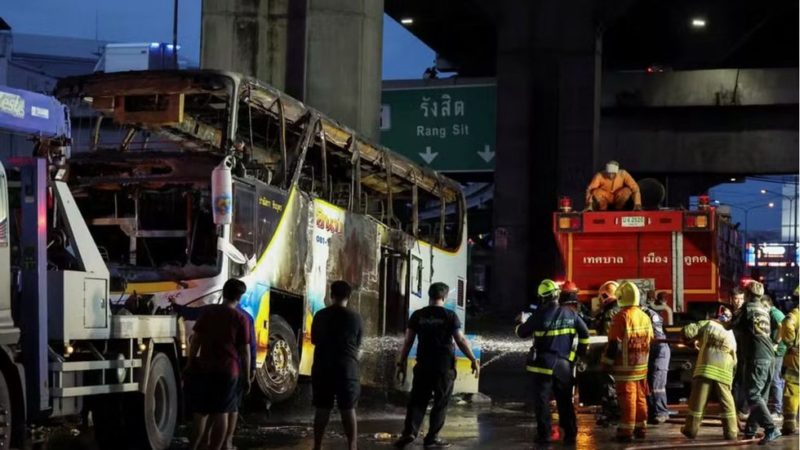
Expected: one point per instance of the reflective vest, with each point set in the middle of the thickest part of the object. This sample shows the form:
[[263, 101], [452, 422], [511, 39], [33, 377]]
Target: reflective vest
[[717, 357], [628, 348], [553, 329], [790, 335]]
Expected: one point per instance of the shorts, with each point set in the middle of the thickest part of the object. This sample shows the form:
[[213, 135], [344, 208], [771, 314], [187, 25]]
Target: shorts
[[326, 388], [212, 393]]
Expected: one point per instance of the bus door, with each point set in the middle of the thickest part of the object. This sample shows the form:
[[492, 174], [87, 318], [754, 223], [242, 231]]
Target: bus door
[[394, 305]]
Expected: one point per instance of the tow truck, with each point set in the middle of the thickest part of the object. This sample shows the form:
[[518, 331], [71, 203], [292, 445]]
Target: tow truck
[[64, 350], [694, 257]]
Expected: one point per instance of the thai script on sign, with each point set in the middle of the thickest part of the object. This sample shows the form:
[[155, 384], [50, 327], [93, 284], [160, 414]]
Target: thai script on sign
[[441, 108], [328, 223], [603, 260], [689, 260], [652, 258]]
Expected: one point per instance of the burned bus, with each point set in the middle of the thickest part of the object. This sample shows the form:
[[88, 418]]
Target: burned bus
[[189, 178]]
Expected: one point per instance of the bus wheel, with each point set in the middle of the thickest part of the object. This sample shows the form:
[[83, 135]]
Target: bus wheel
[[278, 376], [156, 412], [6, 415]]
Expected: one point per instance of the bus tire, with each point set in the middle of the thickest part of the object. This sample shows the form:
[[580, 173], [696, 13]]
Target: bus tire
[[277, 378], [6, 414], [155, 414]]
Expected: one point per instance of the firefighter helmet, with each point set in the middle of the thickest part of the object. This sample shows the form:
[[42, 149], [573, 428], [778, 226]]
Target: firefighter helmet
[[568, 298], [569, 286], [608, 291], [548, 288], [628, 294], [755, 288]]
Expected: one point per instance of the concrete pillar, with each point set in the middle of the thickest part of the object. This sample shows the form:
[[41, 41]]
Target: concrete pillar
[[548, 74], [324, 52], [5, 53], [246, 36]]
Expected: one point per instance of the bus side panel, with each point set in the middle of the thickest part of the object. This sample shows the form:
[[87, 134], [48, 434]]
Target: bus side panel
[[281, 265], [344, 246]]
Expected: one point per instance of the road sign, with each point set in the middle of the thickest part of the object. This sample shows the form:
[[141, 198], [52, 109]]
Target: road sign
[[450, 128]]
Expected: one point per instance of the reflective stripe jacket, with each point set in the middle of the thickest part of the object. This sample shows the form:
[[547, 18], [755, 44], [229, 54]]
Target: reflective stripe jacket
[[717, 357], [790, 335], [553, 328], [628, 348]]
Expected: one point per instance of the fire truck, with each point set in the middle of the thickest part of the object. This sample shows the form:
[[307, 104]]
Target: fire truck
[[692, 256]]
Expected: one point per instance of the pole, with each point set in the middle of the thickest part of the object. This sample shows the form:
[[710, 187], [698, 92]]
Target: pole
[[175, 34]]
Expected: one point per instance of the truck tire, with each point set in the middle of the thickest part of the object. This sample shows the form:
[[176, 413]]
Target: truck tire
[[6, 414], [277, 378], [155, 414]]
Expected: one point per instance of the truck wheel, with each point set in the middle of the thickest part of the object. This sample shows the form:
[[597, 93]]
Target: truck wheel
[[156, 412], [6, 414], [278, 376]]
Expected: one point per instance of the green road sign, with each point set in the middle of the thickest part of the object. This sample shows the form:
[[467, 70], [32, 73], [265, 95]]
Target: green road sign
[[450, 128]]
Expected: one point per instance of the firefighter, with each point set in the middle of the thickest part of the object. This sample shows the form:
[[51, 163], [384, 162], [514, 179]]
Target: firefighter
[[751, 322], [713, 372], [657, 369], [612, 189], [553, 328], [627, 352], [790, 336], [609, 406]]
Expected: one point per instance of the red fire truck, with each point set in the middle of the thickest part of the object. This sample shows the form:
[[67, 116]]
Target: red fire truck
[[694, 256]]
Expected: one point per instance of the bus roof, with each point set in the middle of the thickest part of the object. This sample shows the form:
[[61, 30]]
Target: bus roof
[[229, 84]]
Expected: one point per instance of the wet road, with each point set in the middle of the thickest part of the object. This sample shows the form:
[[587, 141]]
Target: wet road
[[506, 426], [502, 426]]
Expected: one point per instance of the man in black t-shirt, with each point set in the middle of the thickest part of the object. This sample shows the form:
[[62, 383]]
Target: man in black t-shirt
[[336, 335], [435, 371]]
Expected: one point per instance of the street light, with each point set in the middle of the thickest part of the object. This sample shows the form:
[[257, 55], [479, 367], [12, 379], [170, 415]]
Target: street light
[[746, 212], [792, 211]]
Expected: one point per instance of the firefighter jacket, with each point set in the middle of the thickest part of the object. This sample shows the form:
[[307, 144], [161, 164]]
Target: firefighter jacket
[[606, 316], [628, 349], [717, 357], [553, 328], [790, 335], [751, 325]]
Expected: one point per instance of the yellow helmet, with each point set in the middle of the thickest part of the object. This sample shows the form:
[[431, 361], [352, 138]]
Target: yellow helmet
[[608, 291], [628, 294], [548, 288]]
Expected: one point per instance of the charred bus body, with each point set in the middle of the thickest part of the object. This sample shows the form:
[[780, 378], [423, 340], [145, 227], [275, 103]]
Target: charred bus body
[[305, 201]]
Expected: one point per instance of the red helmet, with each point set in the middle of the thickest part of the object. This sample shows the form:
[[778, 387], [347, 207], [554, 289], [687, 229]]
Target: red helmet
[[569, 286]]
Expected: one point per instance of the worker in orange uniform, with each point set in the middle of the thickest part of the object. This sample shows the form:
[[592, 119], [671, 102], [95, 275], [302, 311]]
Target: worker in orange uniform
[[612, 189], [627, 352]]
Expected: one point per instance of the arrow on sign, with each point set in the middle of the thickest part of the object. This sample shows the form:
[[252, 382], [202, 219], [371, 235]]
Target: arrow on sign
[[486, 155], [428, 156]]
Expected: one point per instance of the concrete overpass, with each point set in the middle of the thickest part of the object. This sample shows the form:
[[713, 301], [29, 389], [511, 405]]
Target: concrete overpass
[[550, 59]]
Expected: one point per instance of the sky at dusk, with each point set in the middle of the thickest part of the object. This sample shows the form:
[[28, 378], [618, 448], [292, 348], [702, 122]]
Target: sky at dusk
[[404, 57]]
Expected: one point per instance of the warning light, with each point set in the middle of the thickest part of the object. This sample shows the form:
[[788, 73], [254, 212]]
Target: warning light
[[565, 204]]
